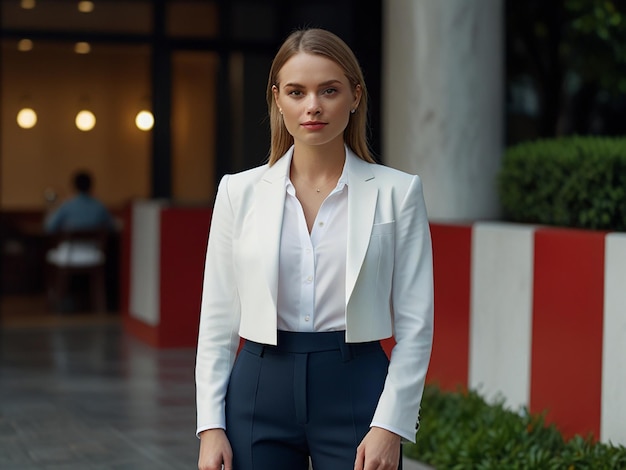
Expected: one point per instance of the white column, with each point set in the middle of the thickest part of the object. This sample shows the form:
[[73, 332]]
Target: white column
[[501, 311], [442, 101], [613, 415], [145, 261]]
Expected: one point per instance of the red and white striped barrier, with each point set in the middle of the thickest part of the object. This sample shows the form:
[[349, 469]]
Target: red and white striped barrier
[[162, 265], [535, 316]]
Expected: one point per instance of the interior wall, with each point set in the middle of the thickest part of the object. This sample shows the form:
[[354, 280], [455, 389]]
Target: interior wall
[[113, 82], [193, 126]]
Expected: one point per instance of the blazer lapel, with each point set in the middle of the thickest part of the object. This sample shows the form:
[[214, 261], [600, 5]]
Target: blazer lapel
[[362, 197], [269, 204]]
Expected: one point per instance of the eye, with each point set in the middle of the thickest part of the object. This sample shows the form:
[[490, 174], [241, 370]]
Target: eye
[[295, 93], [329, 91]]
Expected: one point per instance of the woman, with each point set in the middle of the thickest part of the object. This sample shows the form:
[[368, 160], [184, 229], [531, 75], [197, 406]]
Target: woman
[[313, 259]]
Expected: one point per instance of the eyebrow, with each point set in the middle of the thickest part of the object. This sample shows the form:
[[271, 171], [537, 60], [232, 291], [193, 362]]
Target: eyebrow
[[323, 84]]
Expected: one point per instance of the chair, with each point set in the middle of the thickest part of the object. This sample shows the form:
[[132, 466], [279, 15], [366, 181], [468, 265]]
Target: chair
[[76, 253]]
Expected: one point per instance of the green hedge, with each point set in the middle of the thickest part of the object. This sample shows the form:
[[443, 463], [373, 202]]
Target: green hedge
[[571, 182], [460, 431]]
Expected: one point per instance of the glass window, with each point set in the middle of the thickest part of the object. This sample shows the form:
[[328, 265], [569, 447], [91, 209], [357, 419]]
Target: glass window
[[194, 106], [113, 82]]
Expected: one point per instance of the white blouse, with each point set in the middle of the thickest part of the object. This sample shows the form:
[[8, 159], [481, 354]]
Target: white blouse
[[312, 268]]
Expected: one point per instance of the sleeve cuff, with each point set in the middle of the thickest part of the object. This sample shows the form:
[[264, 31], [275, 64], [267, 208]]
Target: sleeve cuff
[[207, 427], [406, 437]]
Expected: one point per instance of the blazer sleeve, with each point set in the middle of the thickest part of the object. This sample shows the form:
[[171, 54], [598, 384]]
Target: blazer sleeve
[[412, 308], [218, 337]]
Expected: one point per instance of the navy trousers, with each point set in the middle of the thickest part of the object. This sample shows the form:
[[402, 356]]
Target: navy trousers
[[313, 395]]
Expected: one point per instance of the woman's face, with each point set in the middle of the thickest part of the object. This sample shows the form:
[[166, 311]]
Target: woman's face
[[315, 99]]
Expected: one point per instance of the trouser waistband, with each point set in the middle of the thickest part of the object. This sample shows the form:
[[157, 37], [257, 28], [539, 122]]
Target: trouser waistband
[[297, 342]]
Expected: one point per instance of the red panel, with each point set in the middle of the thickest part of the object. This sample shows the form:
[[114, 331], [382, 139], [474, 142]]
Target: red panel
[[388, 345], [184, 234], [567, 328], [452, 246]]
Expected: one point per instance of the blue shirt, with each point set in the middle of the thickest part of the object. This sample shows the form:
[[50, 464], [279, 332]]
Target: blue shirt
[[82, 212]]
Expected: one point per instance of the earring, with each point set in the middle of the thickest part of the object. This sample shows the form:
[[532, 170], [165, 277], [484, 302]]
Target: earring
[[352, 111], [280, 111]]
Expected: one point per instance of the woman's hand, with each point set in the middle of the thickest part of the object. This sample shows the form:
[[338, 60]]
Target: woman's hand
[[215, 450], [379, 450]]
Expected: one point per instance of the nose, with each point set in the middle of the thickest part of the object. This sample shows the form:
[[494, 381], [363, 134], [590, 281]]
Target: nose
[[314, 106]]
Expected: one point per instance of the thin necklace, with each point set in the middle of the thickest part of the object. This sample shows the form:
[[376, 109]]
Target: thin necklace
[[319, 189]]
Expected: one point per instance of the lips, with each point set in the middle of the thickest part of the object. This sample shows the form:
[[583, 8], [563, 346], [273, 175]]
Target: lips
[[313, 125]]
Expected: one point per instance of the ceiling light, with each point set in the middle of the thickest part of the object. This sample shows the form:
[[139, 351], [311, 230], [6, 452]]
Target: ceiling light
[[26, 118], [144, 120], [82, 48], [24, 45], [85, 120], [27, 4], [85, 6]]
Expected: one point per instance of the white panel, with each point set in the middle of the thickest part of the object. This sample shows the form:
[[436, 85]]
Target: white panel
[[613, 419], [145, 262], [501, 311]]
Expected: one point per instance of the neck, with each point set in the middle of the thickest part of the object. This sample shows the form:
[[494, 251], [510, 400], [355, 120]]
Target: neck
[[316, 170], [319, 161]]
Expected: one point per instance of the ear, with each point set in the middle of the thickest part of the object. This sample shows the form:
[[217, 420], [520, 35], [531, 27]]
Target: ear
[[358, 92], [275, 92]]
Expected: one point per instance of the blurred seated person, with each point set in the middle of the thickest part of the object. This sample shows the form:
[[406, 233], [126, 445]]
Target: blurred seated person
[[82, 212]]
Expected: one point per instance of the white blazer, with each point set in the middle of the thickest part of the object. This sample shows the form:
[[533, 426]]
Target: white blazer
[[389, 281]]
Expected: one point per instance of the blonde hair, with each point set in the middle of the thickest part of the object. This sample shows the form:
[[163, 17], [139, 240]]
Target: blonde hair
[[326, 44]]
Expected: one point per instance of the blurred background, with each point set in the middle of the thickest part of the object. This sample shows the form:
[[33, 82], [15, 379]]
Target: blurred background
[[159, 99], [198, 67]]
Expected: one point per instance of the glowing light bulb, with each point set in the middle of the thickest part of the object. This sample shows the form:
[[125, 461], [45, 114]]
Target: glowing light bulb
[[85, 120], [26, 118], [24, 45], [144, 120], [85, 6], [82, 48]]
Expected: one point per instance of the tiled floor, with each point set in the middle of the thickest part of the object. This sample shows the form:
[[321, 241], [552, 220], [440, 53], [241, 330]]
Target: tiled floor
[[76, 393], [87, 397]]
